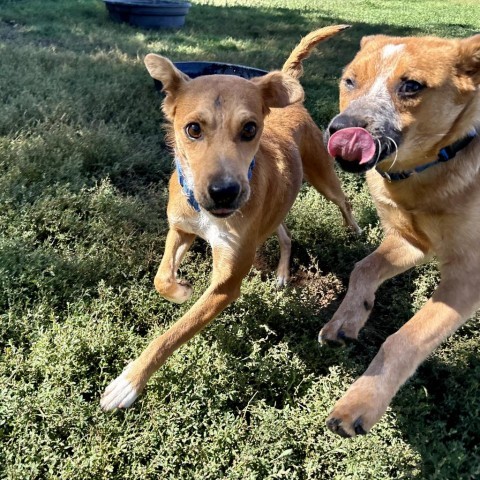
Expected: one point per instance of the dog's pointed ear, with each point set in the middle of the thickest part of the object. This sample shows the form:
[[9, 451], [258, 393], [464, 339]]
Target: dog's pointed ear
[[163, 70], [279, 89], [469, 58]]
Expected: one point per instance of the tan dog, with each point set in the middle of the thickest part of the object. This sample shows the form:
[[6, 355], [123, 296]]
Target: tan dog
[[218, 125], [410, 107]]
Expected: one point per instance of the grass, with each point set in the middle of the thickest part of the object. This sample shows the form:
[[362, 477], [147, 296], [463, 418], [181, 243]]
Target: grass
[[83, 190]]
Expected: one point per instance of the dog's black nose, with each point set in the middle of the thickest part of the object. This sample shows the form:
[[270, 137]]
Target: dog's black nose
[[346, 121], [224, 193]]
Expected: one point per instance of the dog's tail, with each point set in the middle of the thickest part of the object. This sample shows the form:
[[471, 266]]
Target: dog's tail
[[293, 65]]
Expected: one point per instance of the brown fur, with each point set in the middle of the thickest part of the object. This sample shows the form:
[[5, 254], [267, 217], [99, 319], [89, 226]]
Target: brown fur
[[288, 147], [435, 212]]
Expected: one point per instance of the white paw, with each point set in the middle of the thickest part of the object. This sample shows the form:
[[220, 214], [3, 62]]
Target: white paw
[[357, 230], [282, 281], [182, 293], [180, 298], [120, 393]]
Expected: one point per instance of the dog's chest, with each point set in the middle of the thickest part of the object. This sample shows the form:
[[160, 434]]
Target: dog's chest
[[217, 232]]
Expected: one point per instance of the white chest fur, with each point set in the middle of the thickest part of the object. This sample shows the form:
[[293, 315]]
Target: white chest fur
[[216, 231]]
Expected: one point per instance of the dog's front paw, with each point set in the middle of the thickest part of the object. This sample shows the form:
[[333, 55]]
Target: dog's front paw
[[182, 292], [178, 291], [359, 409], [122, 391], [333, 335], [346, 323]]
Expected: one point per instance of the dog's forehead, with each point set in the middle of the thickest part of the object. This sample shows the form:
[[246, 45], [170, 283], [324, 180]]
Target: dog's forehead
[[212, 99], [395, 57], [221, 89]]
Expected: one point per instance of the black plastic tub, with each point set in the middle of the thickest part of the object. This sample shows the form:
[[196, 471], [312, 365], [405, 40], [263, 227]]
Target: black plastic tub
[[198, 69], [148, 13]]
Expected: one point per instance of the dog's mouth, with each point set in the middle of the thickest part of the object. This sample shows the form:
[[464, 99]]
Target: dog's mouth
[[225, 210], [222, 212], [357, 150]]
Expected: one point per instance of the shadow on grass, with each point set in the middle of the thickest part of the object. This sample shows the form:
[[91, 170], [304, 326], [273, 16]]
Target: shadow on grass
[[90, 77], [439, 411]]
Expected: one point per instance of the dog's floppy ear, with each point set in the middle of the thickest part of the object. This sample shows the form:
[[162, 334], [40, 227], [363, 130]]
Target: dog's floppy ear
[[163, 70], [469, 58], [279, 89]]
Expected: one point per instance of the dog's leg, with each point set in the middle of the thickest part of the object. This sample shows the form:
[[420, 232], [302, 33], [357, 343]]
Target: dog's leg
[[229, 268], [393, 256], [166, 282], [321, 175], [283, 269], [366, 400]]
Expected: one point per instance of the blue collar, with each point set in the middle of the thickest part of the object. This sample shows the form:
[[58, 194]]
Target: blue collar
[[444, 155], [188, 191]]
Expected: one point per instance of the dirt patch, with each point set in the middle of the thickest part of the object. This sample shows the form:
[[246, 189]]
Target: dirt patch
[[322, 288]]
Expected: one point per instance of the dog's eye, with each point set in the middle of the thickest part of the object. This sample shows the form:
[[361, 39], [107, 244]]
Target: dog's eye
[[408, 88], [349, 83], [193, 131], [249, 131]]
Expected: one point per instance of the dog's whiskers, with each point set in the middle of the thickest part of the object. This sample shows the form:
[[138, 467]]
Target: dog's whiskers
[[396, 152], [379, 152]]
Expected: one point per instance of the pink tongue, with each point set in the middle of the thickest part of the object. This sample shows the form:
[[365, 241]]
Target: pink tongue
[[352, 144]]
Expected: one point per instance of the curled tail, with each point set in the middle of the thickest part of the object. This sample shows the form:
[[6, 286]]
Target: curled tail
[[293, 65]]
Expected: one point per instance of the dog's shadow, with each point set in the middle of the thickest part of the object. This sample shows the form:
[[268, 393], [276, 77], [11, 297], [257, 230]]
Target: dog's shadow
[[439, 411]]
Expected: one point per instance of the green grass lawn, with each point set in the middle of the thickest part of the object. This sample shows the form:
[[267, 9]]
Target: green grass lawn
[[83, 180]]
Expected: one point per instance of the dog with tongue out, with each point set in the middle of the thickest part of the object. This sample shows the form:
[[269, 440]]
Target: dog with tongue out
[[409, 118], [352, 144]]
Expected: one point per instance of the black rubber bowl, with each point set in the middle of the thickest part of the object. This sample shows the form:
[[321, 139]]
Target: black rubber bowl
[[148, 13], [198, 69]]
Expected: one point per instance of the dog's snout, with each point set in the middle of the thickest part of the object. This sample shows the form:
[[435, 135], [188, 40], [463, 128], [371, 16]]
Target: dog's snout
[[224, 193], [346, 121]]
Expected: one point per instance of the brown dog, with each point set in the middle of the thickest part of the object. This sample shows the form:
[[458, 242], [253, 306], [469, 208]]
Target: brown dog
[[410, 113], [242, 150]]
